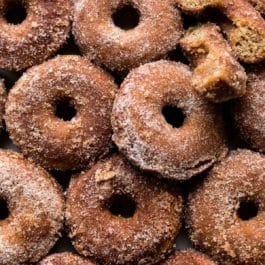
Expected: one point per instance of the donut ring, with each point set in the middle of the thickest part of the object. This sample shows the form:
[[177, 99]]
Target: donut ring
[[40, 35], [144, 235], [35, 205], [217, 75], [248, 112], [143, 135], [51, 141], [217, 227], [64, 259], [158, 32], [2, 102], [246, 33], [188, 257]]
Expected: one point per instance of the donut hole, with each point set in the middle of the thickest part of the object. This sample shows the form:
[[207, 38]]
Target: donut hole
[[173, 115], [4, 211], [122, 205], [65, 109], [15, 12], [247, 210], [126, 17]]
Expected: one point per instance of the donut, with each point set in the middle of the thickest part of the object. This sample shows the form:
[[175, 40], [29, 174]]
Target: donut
[[117, 215], [2, 102], [64, 259], [37, 117], [163, 126], [217, 75], [43, 29], [156, 32], [245, 33], [32, 210], [248, 112], [188, 257], [230, 225]]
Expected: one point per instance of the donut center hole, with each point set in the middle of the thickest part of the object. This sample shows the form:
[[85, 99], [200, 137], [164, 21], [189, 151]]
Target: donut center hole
[[173, 115], [126, 17], [247, 210], [122, 206], [65, 109], [15, 12], [4, 212]]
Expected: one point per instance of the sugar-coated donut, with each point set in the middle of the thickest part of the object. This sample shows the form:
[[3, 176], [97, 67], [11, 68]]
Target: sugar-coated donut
[[118, 216], [158, 31], [43, 31], [2, 102], [141, 130], [57, 142], [226, 215], [188, 257], [248, 112], [32, 210], [64, 259], [217, 75]]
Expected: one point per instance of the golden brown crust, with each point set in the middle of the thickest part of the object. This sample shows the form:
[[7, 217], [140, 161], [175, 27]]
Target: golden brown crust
[[188, 257], [217, 75], [64, 259], [246, 33], [36, 207], [48, 140], [144, 238], [158, 32], [248, 112], [213, 219], [143, 135], [44, 30]]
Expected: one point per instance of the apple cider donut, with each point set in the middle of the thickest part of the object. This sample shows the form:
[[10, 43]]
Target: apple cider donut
[[44, 29], [116, 215], [32, 210], [246, 33], [188, 257], [64, 259], [226, 215], [248, 111], [217, 75], [156, 31], [163, 126], [58, 113]]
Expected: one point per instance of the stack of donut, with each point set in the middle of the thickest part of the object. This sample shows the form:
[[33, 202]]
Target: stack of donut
[[178, 143]]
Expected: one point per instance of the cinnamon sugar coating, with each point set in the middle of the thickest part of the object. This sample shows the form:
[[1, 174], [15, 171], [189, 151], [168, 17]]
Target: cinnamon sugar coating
[[248, 112], [144, 237], [64, 259], [245, 33], [49, 140], [2, 102], [142, 133], [217, 75], [35, 205], [213, 219], [39, 36], [188, 257], [158, 32]]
